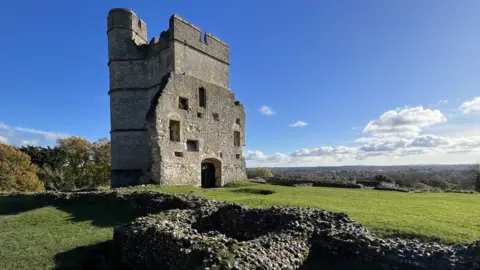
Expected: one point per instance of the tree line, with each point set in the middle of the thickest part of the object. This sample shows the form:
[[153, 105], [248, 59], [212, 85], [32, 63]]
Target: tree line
[[73, 163], [444, 180]]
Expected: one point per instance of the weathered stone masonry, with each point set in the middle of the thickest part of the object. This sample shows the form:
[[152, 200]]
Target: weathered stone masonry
[[173, 118]]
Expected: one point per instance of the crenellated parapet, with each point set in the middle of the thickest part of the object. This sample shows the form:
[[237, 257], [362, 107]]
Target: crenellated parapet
[[191, 35], [124, 26]]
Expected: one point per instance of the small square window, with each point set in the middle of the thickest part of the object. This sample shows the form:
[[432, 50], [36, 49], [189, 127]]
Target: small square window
[[237, 156], [215, 116], [183, 103], [179, 154], [192, 145], [200, 115], [237, 121]]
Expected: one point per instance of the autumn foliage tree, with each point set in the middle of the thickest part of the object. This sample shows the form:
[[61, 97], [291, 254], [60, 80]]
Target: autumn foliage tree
[[87, 164], [17, 173], [259, 172], [99, 168], [73, 163]]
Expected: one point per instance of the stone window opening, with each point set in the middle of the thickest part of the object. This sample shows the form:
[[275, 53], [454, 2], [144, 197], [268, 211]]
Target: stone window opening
[[237, 121], [200, 115], [221, 154], [202, 97], [179, 154], [215, 116], [174, 131], [183, 103], [237, 156], [236, 138], [192, 145], [237, 103]]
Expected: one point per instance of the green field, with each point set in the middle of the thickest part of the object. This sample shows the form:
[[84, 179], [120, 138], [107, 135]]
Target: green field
[[48, 237]]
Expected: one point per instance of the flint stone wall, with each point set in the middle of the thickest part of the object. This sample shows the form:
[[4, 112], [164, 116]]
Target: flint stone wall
[[190, 232]]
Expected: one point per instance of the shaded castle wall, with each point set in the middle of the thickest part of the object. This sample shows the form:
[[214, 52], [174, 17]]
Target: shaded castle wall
[[134, 79]]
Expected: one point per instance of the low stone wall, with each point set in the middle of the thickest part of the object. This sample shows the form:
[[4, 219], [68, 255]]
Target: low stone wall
[[190, 232]]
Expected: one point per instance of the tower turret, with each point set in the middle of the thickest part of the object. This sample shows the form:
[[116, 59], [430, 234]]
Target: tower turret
[[125, 33]]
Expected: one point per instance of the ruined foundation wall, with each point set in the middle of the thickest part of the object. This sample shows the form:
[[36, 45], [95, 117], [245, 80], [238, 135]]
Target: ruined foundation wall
[[190, 232]]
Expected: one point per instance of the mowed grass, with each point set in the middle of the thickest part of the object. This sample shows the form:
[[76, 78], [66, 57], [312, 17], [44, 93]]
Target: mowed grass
[[69, 237]]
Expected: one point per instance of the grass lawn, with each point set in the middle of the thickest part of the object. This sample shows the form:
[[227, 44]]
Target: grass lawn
[[48, 237]]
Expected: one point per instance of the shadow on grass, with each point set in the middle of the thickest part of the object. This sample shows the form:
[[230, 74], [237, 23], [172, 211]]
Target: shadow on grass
[[96, 256], [16, 204], [254, 191], [101, 214]]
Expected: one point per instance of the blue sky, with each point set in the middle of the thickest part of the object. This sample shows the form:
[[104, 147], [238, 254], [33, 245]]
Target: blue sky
[[374, 82]]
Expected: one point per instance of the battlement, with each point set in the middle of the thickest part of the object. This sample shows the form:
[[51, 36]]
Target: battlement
[[182, 48], [128, 26], [182, 31], [126, 19]]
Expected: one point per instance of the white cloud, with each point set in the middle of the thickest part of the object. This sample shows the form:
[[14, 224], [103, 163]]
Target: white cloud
[[406, 122], [397, 137], [376, 151], [385, 145], [3, 140], [298, 124], [20, 134], [3, 126], [471, 106], [49, 136], [320, 151], [279, 158], [29, 142], [429, 141], [254, 155], [267, 110], [442, 101]]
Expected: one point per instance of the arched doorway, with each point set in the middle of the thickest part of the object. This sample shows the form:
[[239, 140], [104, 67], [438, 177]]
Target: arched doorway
[[211, 173]]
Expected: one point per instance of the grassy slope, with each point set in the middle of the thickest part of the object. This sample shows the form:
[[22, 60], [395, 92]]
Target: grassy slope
[[32, 238]]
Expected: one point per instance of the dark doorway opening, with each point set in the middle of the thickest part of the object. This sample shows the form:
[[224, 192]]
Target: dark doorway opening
[[208, 175], [211, 173]]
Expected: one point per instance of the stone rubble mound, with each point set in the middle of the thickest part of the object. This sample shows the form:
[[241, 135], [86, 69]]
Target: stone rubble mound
[[190, 232]]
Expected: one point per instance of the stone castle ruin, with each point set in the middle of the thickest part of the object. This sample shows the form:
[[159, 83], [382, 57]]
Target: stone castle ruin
[[174, 119]]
